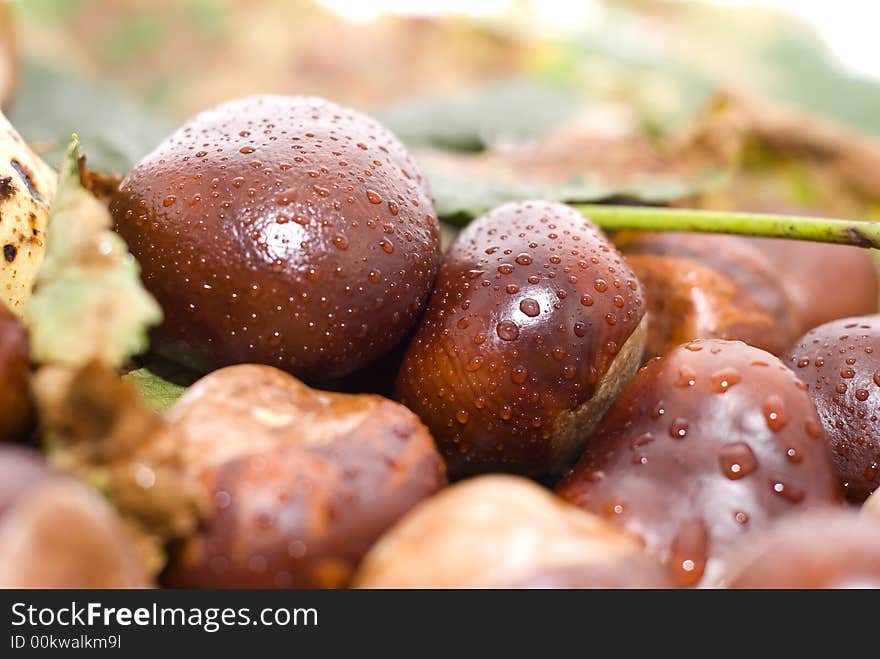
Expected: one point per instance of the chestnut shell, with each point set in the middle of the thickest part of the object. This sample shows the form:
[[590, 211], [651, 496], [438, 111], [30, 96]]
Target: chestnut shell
[[534, 325], [286, 231], [840, 362], [711, 442]]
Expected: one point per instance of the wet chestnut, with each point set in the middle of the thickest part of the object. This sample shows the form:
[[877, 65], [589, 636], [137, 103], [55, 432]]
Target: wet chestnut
[[714, 440], [493, 531], [280, 230], [702, 286], [16, 407], [824, 282], [820, 549], [840, 362], [534, 325], [56, 532], [302, 482]]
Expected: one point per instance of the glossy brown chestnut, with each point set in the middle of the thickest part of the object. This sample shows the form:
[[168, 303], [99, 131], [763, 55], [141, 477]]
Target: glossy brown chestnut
[[16, 406], [492, 531], [714, 440], [840, 362], [632, 572], [535, 324], [701, 286], [302, 481], [820, 549], [824, 282], [286, 231], [57, 533]]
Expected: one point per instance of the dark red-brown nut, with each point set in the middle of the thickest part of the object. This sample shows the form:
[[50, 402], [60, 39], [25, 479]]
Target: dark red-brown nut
[[840, 362], [819, 549], [535, 324], [280, 230], [302, 481], [57, 533], [707, 286], [714, 440], [823, 281], [492, 531], [16, 406], [632, 572]]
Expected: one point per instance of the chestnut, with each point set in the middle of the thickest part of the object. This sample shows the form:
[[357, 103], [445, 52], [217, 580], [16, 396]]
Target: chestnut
[[840, 362], [55, 532], [286, 231], [301, 481], [534, 325], [16, 407], [819, 549], [708, 286], [823, 281], [637, 572], [712, 441], [493, 531]]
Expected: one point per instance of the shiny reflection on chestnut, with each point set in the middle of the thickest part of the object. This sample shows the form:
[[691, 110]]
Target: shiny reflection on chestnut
[[287, 231], [535, 324], [716, 440]]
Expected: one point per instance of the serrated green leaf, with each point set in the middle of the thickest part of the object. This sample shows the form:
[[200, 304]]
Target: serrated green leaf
[[156, 390], [89, 304]]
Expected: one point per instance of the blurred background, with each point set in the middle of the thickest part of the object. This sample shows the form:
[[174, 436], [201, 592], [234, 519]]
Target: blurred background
[[771, 105]]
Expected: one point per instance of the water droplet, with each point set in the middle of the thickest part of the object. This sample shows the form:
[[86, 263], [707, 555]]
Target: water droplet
[[374, 197], [737, 460], [474, 364], [386, 246], [678, 428], [523, 259], [688, 552], [774, 412], [788, 492], [340, 242], [687, 377], [246, 150], [518, 374], [600, 285], [725, 378], [507, 330], [580, 330], [461, 416], [169, 201], [530, 307], [587, 300], [505, 268]]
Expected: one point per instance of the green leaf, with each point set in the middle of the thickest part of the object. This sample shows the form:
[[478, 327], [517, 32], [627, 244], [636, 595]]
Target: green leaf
[[155, 389], [510, 111], [89, 304], [53, 103], [461, 198]]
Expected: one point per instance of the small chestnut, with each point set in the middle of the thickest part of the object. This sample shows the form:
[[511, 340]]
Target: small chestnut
[[712, 441], [56, 532], [818, 549], [281, 230], [534, 325], [301, 481], [708, 286], [823, 281], [493, 531], [16, 406], [840, 362]]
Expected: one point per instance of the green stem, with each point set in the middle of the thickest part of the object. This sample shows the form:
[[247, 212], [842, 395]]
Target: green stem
[[818, 229]]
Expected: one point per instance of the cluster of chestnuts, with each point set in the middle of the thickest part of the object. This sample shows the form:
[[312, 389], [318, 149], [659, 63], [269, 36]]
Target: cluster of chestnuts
[[656, 420]]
